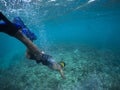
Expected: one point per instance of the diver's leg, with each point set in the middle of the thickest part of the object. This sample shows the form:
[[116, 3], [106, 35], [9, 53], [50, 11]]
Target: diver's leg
[[8, 27], [33, 49]]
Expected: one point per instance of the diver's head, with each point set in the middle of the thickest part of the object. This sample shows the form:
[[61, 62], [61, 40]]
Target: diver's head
[[62, 64]]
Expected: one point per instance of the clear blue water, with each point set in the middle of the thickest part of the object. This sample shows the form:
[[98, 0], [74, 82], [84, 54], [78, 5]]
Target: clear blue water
[[66, 27], [94, 23]]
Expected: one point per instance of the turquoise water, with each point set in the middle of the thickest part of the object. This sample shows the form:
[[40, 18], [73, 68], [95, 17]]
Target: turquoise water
[[84, 33]]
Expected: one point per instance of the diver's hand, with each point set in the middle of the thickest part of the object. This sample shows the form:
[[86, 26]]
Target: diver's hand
[[62, 74], [57, 67]]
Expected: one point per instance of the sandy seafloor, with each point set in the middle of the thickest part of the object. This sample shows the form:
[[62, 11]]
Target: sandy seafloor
[[87, 68]]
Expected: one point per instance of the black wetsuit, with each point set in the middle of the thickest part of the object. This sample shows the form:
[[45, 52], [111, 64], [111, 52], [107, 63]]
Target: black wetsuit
[[8, 28]]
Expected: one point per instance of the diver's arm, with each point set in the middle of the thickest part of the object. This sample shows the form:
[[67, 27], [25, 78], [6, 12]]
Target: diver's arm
[[58, 68], [62, 73]]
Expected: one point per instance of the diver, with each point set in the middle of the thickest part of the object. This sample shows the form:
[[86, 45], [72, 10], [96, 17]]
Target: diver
[[33, 52]]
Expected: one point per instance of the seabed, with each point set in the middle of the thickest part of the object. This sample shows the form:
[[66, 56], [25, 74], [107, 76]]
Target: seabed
[[87, 68]]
